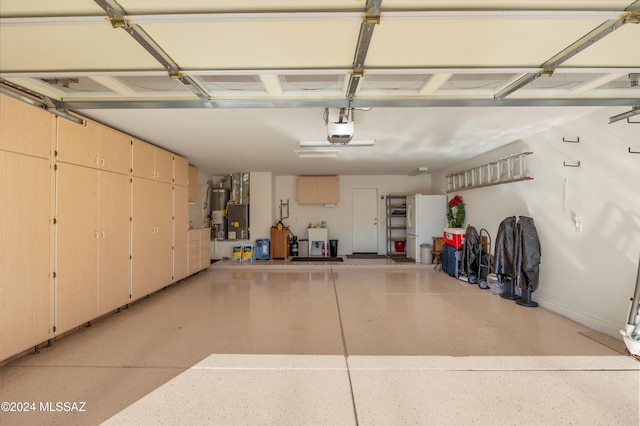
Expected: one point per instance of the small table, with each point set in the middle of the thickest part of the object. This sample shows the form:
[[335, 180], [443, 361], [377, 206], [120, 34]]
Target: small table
[[319, 234]]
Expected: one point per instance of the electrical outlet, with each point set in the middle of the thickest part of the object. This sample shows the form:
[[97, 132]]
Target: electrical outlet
[[577, 223]]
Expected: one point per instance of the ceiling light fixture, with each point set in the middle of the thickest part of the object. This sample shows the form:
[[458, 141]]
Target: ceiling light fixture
[[419, 171], [323, 144], [317, 153]]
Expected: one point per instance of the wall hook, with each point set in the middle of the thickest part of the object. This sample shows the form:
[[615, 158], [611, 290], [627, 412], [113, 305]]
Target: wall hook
[[564, 163], [570, 141], [633, 152]]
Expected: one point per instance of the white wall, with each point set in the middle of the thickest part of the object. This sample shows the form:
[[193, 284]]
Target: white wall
[[339, 218], [197, 213], [588, 276]]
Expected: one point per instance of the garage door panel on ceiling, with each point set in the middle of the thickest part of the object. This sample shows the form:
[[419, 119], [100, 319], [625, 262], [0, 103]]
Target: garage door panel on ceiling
[[71, 47], [263, 44], [507, 4], [49, 8], [472, 43], [191, 6], [621, 47]]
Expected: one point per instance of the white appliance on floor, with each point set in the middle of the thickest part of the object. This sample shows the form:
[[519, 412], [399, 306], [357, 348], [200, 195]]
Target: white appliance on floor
[[426, 218]]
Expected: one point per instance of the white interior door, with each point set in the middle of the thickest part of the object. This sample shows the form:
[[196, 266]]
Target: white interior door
[[365, 220]]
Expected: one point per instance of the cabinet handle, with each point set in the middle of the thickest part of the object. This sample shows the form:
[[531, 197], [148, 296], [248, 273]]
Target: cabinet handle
[[102, 162], [103, 235], [96, 234], [97, 160]]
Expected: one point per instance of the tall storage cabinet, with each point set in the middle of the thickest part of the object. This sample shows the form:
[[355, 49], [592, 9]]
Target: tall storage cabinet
[[93, 209], [180, 219], [25, 249], [151, 236], [26, 195], [396, 224], [94, 229]]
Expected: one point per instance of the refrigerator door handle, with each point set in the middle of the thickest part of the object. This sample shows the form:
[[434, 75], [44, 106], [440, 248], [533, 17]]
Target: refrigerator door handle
[[409, 221]]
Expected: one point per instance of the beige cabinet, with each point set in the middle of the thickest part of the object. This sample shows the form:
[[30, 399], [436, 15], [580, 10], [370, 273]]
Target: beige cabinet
[[180, 171], [151, 236], [180, 230], [205, 248], [93, 145], [25, 128], [76, 289], [92, 228], [194, 252], [25, 250], [114, 274], [199, 249], [151, 162], [193, 184], [317, 189]]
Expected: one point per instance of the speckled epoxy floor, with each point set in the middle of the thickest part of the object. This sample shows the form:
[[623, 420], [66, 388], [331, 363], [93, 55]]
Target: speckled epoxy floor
[[363, 342]]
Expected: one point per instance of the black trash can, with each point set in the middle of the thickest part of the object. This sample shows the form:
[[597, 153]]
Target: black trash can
[[333, 248]]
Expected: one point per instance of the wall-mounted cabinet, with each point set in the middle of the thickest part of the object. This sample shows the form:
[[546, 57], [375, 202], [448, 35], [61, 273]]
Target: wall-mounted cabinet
[[25, 129], [93, 145], [151, 162], [317, 190], [180, 171]]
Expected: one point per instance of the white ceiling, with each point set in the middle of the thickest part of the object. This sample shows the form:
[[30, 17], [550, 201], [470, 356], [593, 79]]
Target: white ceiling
[[234, 85]]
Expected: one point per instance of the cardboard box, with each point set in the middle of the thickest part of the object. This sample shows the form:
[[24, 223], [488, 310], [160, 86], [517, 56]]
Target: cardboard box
[[454, 237]]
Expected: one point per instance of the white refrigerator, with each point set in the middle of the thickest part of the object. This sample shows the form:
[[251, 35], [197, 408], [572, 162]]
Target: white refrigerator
[[426, 218]]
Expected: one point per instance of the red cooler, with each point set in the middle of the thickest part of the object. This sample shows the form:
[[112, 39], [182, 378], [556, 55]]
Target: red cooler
[[454, 237]]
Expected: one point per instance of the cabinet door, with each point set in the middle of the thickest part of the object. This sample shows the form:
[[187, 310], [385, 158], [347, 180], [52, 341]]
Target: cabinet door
[[114, 263], [78, 144], [25, 252], [151, 236], [115, 151], [180, 171], [317, 190], [163, 166], [142, 241], [163, 255], [25, 128], [77, 246], [143, 159], [180, 226]]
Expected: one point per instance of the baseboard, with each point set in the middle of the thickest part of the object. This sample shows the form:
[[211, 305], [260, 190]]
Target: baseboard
[[596, 324]]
